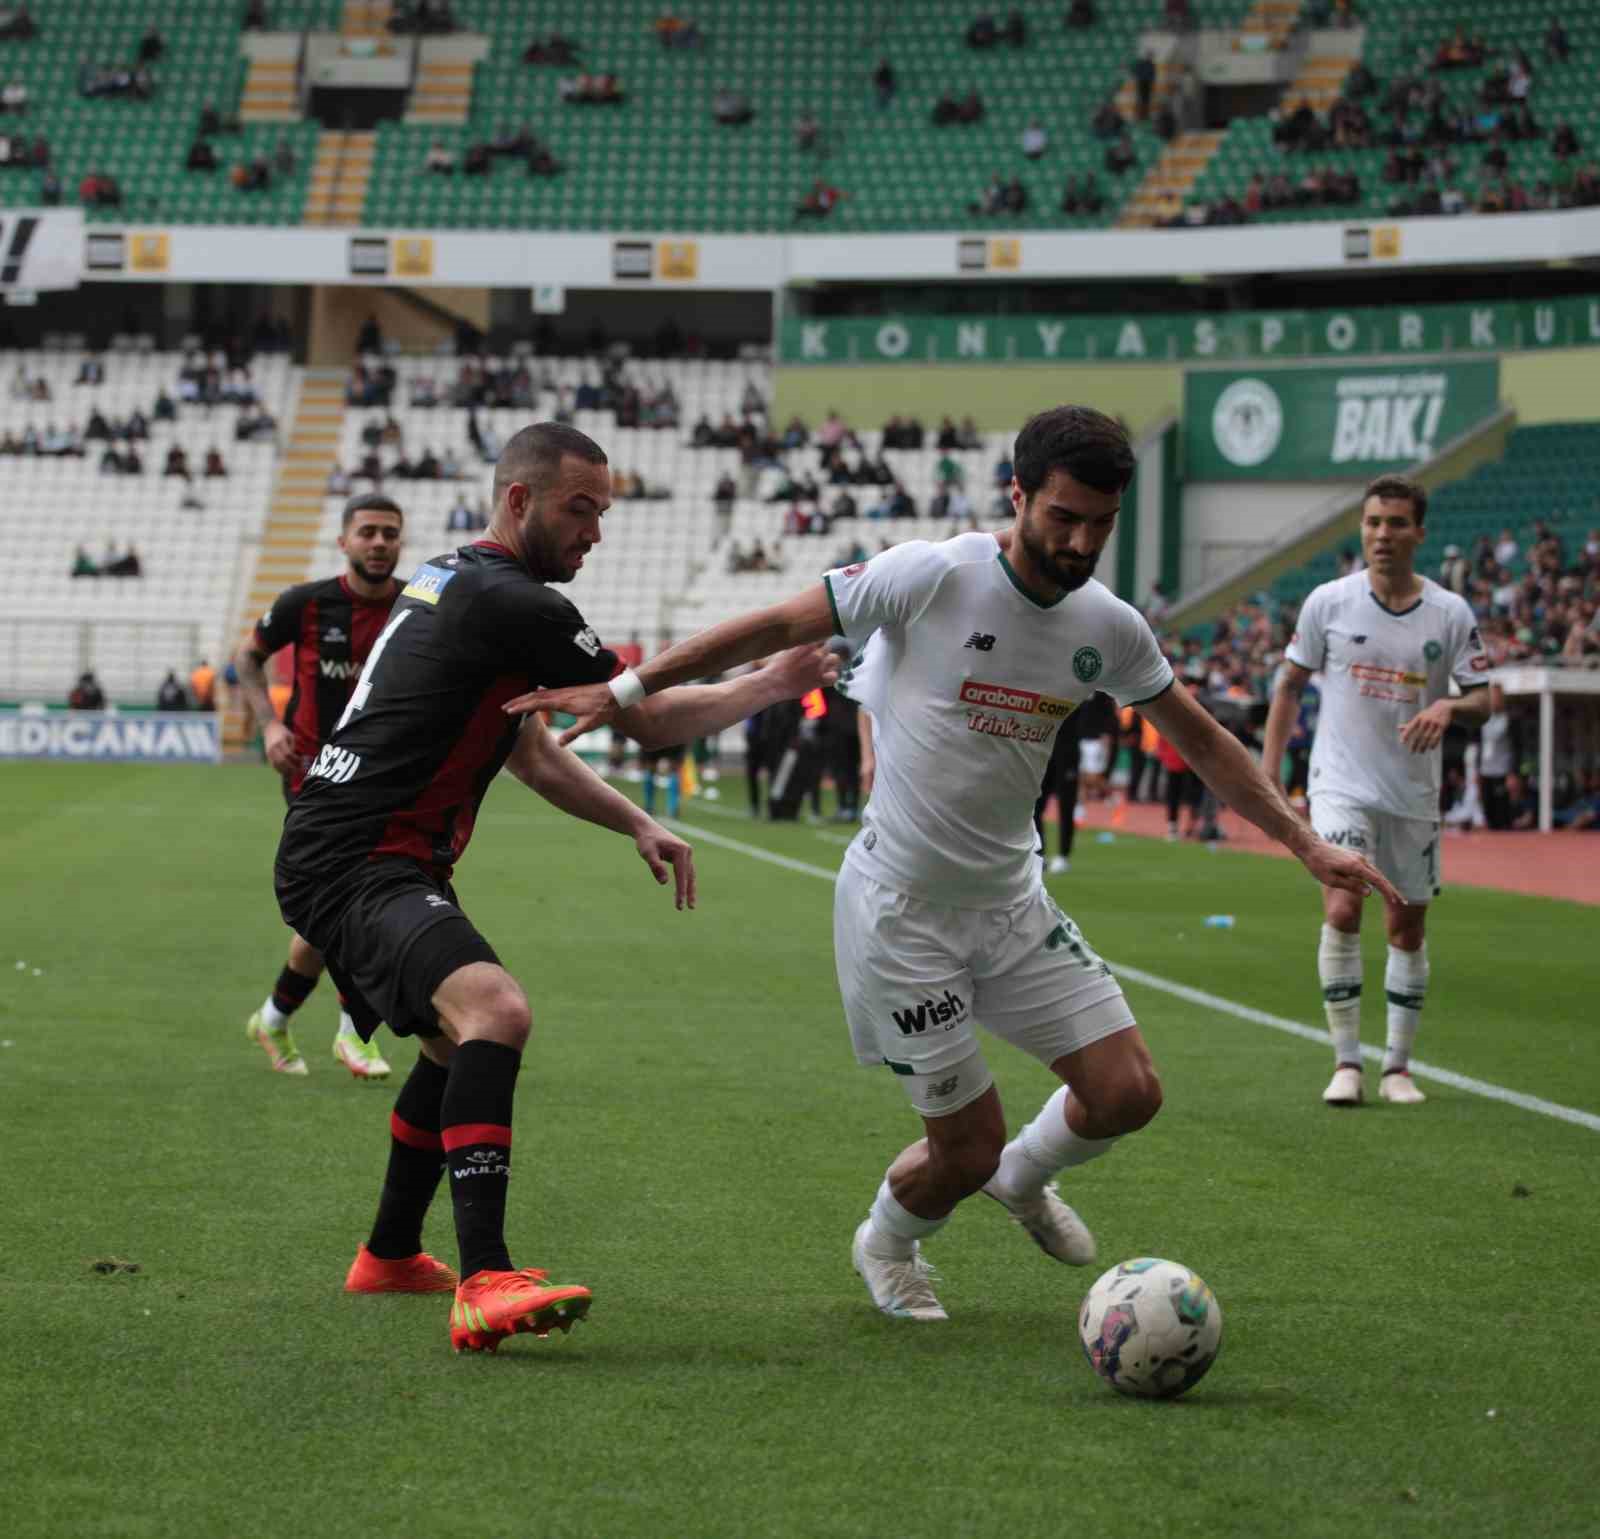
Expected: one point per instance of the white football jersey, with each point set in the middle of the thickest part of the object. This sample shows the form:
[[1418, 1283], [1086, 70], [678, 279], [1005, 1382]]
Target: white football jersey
[[968, 679], [1379, 668]]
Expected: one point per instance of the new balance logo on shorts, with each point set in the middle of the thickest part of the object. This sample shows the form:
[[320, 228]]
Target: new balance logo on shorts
[[943, 1088], [948, 1012], [980, 643]]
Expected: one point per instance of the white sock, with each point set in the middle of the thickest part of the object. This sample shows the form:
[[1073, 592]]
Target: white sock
[[1339, 967], [1040, 1149], [273, 1018], [347, 1027], [893, 1232], [1405, 982]]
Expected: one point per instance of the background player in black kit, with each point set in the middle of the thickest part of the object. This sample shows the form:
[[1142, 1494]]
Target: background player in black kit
[[331, 624], [387, 808]]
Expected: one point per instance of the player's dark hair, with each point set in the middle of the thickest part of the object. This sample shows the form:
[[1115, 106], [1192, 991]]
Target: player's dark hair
[[1090, 446], [1401, 489], [533, 456], [370, 502]]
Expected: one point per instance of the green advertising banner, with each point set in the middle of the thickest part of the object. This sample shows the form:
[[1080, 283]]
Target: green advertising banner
[[1246, 335], [1328, 424]]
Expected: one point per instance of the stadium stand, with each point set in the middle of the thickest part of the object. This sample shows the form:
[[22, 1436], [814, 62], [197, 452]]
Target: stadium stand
[[141, 142], [1452, 171], [56, 505]]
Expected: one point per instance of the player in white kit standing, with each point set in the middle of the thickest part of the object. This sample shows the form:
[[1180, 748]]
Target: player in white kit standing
[[1388, 644], [982, 646]]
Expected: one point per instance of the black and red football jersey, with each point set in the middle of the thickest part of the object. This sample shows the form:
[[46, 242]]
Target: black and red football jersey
[[332, 630], [424, 734]]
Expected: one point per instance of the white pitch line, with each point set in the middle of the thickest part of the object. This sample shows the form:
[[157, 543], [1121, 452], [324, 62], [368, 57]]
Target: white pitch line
[[1216, 1002]]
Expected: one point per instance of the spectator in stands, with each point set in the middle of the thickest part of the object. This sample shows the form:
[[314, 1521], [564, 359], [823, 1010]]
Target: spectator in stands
[[1107, 122], [283, 158], [97, 190], [170, 696], [201, 156], [252, 175], [83, 564], [819, 202], [992, 200], [14, 98], [946, 110], [807, 130], [970, 108], [1506, 549], [177, 462], [1143, 71], [982, 31], [1035, 141], [255, 16], [86, 694], [1120, 156], [439, 159], [215, 465], [731, 108], [128, 565], [884, 84], [1015, 31], [1176, 15], [1556, 43], [50, 189], [1081, 14], [554, 49], [1565, 143], [91, 372], [476, 161], [151, 45], [542, 161]]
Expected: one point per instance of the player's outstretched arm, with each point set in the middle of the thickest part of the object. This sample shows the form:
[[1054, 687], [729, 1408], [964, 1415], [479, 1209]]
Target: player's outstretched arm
[[566, 782], [806, 618], [1220, 760], [1281, 716], [697, 710]]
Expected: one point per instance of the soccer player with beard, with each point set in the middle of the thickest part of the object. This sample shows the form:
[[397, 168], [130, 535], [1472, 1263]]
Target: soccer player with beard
[[982, 646], [331, 624], [364, 866]]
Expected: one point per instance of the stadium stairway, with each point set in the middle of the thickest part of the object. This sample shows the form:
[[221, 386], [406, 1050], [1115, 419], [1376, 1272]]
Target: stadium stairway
[[295, 514], [340, 175], [1169, 181], [270, 94], [443, 89], [365, 19]]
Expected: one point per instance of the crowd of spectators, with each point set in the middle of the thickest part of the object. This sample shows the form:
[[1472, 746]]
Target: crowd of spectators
[[1420, 119], [115, 562], [516, 143], [427, 18]]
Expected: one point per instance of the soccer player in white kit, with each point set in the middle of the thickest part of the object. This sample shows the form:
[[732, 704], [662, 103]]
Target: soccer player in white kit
[[982, 645], [1388, 643]]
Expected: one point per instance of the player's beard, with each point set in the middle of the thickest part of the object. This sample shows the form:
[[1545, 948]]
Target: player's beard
[[546, 560], [1069, 572], [372, 572]]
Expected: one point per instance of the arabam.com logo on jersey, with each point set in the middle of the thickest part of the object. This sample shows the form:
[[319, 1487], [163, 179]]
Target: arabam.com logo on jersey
[[988, 699]]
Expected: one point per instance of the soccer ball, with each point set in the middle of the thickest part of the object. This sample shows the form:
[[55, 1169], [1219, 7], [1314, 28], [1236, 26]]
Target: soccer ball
[[1150, 1328]]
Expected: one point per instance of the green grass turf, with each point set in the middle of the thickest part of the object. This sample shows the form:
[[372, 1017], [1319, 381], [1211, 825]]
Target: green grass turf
[[695, 1143]]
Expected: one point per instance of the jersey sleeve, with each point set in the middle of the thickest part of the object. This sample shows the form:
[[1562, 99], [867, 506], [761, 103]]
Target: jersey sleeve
[[1138, 670], [1308, 646], [540, 632], [1469, 665], [889, 590], [279, 627]]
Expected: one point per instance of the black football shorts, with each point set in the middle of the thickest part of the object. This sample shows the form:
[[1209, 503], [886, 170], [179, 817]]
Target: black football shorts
[[391, 933]]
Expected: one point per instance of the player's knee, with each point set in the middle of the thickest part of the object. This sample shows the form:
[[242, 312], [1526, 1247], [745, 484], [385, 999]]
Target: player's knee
[[1134, 1100], [500, 1014]]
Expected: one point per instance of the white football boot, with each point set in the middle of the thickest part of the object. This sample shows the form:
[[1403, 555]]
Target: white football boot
[[1398, 1088], [903, 1289], [1344, 1089], [1051, 1225]]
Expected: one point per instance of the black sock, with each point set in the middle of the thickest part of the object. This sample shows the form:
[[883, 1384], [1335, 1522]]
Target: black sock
[[416, 1161], [476, 1129], [291, 989]]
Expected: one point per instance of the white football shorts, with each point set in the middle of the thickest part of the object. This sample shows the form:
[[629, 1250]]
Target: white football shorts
[[1093, 756], [1406, 850], [916, 978]]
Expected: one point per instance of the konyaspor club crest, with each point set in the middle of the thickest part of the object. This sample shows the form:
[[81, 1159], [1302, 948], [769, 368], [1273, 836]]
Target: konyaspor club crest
[[1247, 422]]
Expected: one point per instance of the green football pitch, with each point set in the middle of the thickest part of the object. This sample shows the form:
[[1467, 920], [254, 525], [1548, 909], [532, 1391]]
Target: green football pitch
[[1409, 1293]]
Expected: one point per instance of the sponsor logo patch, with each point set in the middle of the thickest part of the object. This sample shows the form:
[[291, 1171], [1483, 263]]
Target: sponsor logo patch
[[948, 1011], [587, 642], [427, 583], [1024, 702], [1376, 675]]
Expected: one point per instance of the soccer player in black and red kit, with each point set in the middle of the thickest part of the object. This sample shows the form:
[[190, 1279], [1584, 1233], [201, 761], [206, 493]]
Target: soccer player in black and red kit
[[387, 808], [331, 624]]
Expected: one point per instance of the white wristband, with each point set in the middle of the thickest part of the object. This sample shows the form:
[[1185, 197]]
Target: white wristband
[[626, 688]]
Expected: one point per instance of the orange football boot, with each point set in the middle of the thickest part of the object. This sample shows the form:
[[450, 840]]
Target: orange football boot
[[420, 1273], [490, 1306]]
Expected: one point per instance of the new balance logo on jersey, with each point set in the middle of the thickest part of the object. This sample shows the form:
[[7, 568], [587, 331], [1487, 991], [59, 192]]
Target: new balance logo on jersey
[[980, 643], [948, 1012], [332, 670], [335, 764]]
